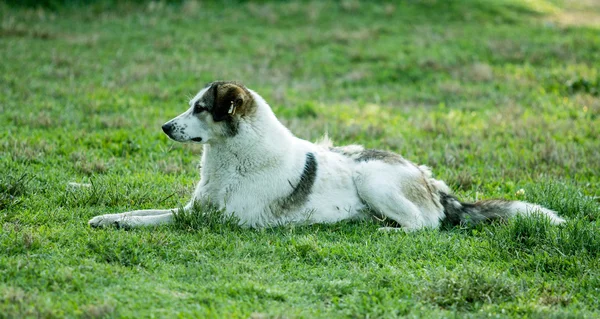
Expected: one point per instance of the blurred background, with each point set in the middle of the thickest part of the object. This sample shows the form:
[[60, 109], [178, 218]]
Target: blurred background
[[483, 91], [499, 97]]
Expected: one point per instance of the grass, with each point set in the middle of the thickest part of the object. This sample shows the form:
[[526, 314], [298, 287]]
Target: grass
[[495, 96]]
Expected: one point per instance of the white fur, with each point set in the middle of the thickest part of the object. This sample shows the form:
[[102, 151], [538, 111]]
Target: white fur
[[245, 174], [528, 209]]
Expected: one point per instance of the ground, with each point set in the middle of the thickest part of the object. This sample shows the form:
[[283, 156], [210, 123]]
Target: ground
[[500, 98]]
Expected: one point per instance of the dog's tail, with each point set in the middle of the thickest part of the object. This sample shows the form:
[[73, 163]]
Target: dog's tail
[[486, 210]]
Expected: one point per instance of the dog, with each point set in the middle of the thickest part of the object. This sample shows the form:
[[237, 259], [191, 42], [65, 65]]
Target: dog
[[255, 169]]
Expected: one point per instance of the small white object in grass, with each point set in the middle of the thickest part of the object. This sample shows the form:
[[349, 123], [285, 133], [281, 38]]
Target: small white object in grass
[[74, 184], [520, 192]]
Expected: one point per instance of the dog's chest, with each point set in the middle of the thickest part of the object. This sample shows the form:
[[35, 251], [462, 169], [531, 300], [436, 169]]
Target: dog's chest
[[219, 184], [226, 185]]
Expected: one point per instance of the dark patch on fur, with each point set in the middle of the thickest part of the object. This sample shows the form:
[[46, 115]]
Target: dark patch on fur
[[429, 189], [458, 213], [366, 155], [378, 155], [218, 100], [343, 151], [303, 189]]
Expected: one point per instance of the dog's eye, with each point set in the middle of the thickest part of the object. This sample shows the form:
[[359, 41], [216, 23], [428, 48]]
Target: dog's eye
[[199, 108]]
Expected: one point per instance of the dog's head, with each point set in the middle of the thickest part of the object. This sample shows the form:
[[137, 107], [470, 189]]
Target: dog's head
[[214, 113]]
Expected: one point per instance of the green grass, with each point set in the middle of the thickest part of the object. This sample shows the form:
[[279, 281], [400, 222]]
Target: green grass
[[495, 96]]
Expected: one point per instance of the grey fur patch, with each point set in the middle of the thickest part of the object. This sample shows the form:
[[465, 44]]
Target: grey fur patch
[[473, 213], [365, 155], [303, 189]]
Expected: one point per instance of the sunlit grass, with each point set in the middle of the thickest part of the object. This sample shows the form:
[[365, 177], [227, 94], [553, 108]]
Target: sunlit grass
[[497, 100]]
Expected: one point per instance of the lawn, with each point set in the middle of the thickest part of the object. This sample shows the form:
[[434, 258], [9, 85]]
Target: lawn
[[501, 98]]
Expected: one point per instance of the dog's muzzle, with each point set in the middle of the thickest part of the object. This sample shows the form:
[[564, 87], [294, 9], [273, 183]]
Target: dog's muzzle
[[168, 129]]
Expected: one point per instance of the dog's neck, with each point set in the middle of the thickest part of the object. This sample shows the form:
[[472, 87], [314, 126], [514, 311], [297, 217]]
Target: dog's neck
[[261, 141]]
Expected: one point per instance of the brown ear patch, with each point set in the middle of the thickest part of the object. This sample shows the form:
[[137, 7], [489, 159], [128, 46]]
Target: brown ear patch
[[233, 99], [228, 102]]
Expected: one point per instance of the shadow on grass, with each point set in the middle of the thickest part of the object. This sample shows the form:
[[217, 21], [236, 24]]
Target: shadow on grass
[[205, 215], [468, 289], [12, 189]]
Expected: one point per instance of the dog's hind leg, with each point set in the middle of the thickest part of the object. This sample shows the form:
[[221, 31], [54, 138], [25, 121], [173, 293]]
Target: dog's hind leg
[[386, 199], [134, 218]]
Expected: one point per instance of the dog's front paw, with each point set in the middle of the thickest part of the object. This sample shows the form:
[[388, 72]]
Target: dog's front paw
[[103, 221]]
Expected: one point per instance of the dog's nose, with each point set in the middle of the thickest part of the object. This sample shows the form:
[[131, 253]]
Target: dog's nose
[[167, 127]]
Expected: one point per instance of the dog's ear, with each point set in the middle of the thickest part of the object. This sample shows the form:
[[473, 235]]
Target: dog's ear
[[230, 99]]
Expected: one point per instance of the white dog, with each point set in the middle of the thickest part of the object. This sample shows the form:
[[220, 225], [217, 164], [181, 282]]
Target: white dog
[[255, 169]]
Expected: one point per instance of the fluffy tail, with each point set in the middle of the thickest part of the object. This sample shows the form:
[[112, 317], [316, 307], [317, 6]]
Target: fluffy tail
[[474, 213]]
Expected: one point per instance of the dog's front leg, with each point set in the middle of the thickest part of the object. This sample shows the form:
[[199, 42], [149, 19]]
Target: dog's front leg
[[135, 218]]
